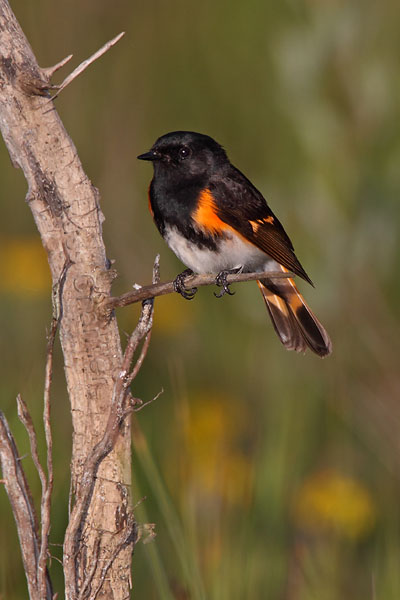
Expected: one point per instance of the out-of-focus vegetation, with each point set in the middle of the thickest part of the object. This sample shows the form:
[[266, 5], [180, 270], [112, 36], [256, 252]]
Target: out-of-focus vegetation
[[268, 474]]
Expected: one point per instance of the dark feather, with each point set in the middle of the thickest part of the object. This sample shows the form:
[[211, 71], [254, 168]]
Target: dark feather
[[293, 320], [239, 204]]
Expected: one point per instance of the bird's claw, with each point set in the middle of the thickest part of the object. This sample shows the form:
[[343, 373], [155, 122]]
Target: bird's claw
[[179, 285], [221, 282]]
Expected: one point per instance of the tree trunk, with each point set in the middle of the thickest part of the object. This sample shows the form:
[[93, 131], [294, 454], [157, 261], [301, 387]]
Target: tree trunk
[[65, 206]]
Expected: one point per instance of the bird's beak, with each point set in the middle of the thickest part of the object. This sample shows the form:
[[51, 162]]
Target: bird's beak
[[151, 155]]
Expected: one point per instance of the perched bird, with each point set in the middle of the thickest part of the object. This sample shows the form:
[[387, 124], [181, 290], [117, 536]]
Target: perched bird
[[216, 221]]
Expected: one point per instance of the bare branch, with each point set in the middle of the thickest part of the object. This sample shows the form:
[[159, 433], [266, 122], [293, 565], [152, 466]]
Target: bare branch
[[39, 584], [43, 581], [26, 420], [142, 330], [139, 362], [160, 289], [85, 64], [22, 505], [45, 507]]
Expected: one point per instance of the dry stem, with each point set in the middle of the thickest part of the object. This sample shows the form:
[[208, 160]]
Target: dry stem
[[23, 510], [43, 581], [160, 289]]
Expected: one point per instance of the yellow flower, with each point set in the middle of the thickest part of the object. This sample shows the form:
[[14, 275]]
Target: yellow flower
[[23, 266], [216, 461], [331, 502]]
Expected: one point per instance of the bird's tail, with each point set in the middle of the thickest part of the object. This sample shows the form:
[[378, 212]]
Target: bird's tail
[[296, 325]]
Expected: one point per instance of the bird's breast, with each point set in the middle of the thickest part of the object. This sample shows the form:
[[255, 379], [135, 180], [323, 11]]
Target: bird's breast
[[214, 254]]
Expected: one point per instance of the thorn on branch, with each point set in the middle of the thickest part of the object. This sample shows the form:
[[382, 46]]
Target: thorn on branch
[[49, 71]]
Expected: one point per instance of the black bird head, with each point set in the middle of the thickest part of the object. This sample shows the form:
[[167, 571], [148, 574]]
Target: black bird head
[[185, 152]]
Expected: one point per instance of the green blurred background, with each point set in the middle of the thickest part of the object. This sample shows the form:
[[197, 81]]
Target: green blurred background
[[269, 475]]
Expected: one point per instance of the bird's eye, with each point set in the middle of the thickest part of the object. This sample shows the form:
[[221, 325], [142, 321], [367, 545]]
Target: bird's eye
[[184, 152]]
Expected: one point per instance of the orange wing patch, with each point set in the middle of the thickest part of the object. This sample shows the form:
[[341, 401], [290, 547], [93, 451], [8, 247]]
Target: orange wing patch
[[205, 215], [255, 225]]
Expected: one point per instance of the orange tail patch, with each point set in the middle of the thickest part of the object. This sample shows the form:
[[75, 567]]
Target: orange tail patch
[[295, 324]]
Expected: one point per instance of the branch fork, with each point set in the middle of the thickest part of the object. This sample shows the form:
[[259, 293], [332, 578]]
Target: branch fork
[[49, 71]]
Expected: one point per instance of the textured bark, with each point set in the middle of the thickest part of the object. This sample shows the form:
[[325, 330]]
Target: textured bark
[[65, 206]]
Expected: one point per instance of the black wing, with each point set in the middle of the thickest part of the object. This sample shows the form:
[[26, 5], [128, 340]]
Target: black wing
[[243, 207]]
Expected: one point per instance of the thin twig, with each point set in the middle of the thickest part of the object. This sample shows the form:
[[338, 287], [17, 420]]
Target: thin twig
[[45, 505], [143, 404], [143, 330], [22, 506], [43, 582], [54, 557], [84, 65], [49, 71], [139, 362], [160, 289], [26, 420]]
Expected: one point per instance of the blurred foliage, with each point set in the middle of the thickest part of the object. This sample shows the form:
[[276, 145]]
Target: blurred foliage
[[268, 474]]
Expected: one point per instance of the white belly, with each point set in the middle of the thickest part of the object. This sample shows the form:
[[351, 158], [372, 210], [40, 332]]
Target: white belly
[[233, 253]]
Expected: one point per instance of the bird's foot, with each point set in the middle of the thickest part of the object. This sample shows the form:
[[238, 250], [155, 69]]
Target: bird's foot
[[179, 285], [221, 281]]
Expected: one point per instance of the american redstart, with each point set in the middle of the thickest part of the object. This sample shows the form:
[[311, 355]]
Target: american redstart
[[216, 221]]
